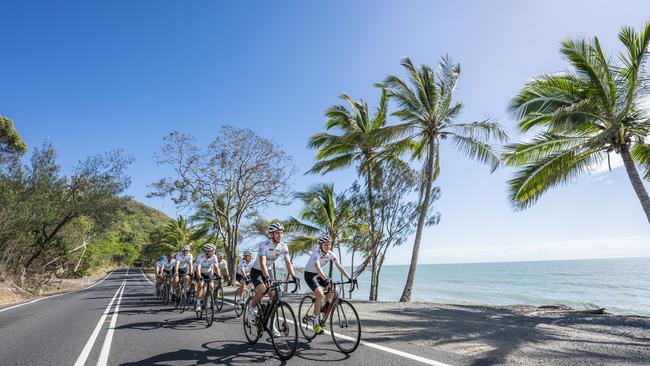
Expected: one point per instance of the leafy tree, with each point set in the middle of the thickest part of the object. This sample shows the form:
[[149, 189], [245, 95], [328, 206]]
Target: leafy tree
[[238, 174], [586, 113]]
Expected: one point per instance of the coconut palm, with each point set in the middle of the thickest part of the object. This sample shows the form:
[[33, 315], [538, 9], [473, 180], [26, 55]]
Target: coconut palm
[[360, 140], [208, 224], [177, 233], [324, 212], [429, 112], [586, 114]]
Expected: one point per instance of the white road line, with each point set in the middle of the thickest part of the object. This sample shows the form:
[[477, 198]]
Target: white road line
[[81, 360], [145, 276], [64, 293], [106, 348]]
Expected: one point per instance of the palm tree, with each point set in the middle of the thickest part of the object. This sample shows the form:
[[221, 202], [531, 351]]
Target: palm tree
[[323, 212], [428, 111], [361, 140], [587, 113], [208, 224], [177, 233]]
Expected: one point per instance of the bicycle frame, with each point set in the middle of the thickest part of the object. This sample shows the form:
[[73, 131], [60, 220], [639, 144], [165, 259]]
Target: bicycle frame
[[273, 303], [337, 299]]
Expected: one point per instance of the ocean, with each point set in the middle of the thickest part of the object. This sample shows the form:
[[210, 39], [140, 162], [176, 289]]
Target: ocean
[[622, 286]]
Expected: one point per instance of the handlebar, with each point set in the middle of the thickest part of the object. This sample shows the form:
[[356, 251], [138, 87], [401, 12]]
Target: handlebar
[[276, 284], [353, 281]]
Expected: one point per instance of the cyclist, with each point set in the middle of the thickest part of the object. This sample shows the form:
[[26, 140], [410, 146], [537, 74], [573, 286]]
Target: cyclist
[[223, 266], [317, 280], [183, 266], [243, 270], [206, 266], [159, 272], [168, 266], [269, 250]]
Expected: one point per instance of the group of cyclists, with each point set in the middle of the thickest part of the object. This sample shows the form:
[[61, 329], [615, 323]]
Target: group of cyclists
[[182, 268]]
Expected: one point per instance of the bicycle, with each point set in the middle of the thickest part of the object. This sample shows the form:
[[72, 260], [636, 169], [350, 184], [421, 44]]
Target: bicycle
[[274, 316], [240, 300], [208, 303], [340, 313], [218, 294], [166, 290], [182, 292]]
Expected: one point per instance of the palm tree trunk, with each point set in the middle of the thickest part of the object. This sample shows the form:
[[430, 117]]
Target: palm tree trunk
[[636, 181], [423, 208], [374, 279]]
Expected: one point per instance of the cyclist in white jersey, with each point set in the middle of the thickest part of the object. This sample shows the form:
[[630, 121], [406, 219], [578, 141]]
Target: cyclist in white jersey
[[223, 266], [317, 280], [168, 266], [159, 271], [206, 266], [243, 270], [184, 265], [269, 250]]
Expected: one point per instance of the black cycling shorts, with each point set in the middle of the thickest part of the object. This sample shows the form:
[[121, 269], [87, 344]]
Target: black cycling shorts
[[207, 276], [314, 282], [257, 277], [238, 277], [182, 272], [169, 272]]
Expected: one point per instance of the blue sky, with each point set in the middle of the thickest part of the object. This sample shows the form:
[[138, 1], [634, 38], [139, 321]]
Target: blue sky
[[95, 76]]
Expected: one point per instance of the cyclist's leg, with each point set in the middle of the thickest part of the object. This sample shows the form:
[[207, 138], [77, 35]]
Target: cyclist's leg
[[260, 289]]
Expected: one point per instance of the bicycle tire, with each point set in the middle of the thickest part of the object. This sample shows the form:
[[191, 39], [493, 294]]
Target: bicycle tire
[[238, 308], [251, 331], [218, 295], [347, 318], [208, 304], [304, 310], [283, 320]]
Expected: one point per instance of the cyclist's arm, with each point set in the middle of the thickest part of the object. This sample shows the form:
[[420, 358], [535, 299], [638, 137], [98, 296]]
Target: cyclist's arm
[[198, 270], [321, 274], [227, 271], [287, 262], [342, 269], [265, 271], [176, 266], [216, 267]]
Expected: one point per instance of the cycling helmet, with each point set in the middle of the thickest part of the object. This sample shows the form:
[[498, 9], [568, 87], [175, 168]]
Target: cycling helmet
[[185, 247], [209, 247], [162, 257], [275, 227], [324, 239], [170, 254], [220, 254], [247, 252]]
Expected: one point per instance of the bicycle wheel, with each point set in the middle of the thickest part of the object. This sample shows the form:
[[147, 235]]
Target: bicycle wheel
[[218, 297], [165, 294], [177, 296], [183, 300], [284, 331], [345, 327], [208, 303], [238, 308], [305, 309], [252, 329]]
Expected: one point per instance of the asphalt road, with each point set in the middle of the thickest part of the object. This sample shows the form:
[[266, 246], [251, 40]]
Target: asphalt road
[[118, 322]]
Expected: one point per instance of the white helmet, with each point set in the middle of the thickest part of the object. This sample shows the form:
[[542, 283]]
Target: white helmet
[[185, 247], [324, 239], [275, 227], [209, 247], [247, 252]]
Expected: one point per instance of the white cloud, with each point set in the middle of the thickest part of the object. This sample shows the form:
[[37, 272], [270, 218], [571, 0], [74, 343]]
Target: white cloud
[[615, 161]]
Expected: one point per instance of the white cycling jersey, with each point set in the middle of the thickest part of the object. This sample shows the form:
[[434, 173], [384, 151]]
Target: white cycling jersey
[[246, 266], [184, 260], [317, 256], [168, 265], [223, 265], [271, 251], [159, 264], [206, 264]]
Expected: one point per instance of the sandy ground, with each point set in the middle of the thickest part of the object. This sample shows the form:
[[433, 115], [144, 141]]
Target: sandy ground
[[11, 294]]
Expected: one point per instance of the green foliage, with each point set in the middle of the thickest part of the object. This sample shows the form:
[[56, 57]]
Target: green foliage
[[586, 113], [11, 143]]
